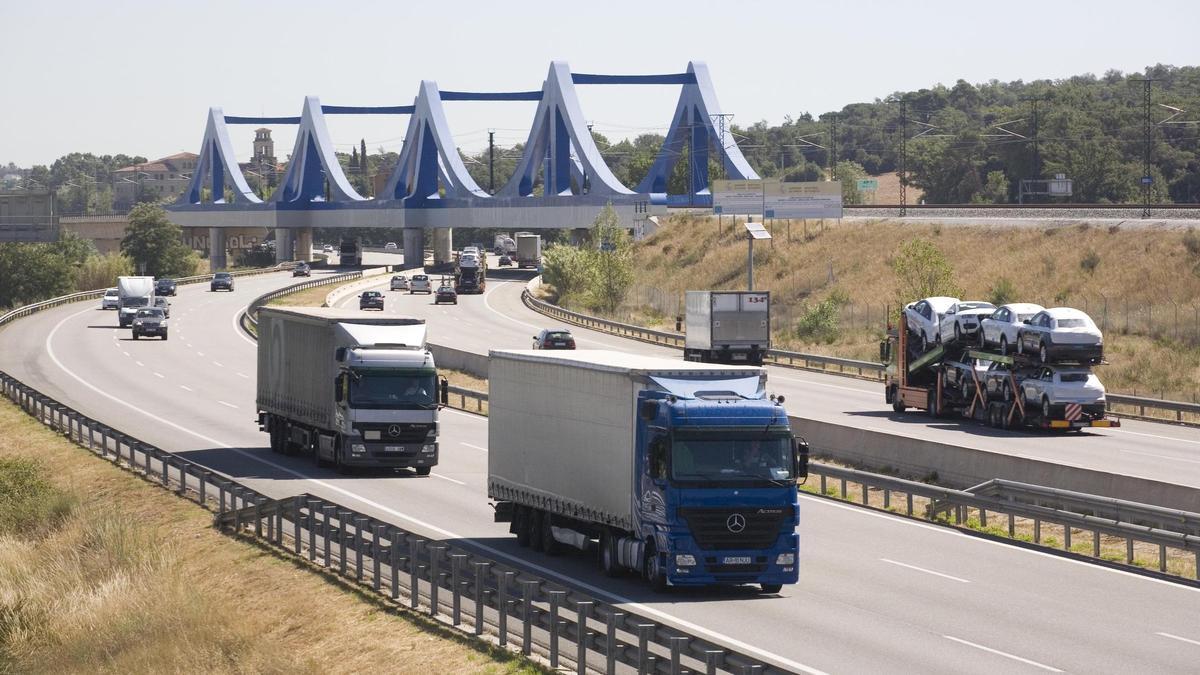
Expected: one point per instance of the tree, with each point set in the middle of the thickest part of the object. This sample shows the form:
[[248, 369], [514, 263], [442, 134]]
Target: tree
[[33, 272], [612, 263], [922, 271], [101, 271], [995, 190], [155, 244], [565, 267], [849, 173]]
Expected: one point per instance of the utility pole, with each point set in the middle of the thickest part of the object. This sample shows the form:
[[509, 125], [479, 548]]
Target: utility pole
[[719, 118], [1147, 135], [1037, 151], [833, 158], [491, 161], [903, 157], [585, 187]]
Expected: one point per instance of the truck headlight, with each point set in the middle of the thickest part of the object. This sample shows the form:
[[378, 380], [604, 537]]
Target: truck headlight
[[685, 560], [785, 559], [429, 448], [371, 435], [358, 448]]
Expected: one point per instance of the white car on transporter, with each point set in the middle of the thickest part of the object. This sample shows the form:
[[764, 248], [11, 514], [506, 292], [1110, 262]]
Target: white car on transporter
[[925, 319], [1000, 329], [962, 320], [1061, 334]]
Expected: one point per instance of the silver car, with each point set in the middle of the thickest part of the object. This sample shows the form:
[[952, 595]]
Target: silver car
[[1000, 329], [420, 284], [1054, 390], [399, 283], [1061, 333], [161, 303]]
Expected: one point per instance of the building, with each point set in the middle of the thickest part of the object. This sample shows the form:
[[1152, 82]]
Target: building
[[162, 178]]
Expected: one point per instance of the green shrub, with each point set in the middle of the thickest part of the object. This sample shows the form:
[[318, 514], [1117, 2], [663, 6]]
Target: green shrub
[[28, 501], [1002, 292], [1090, 261], [820, 323]]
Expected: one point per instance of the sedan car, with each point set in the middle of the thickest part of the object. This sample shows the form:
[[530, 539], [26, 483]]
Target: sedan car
[[505, 261], [399, 283], [164, 287], [1000, 329], [420, 283], [302, 270], [150, 321], [1065, 393], [327, 248], [445, 294], [963, 318], [371, 300], [390, 246], [111, 299], [925, 319], [161, 303], [221, 281], [553, 338], [1061, 333]]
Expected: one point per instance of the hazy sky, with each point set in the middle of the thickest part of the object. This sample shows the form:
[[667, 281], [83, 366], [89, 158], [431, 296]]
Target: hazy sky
[[138, 77]]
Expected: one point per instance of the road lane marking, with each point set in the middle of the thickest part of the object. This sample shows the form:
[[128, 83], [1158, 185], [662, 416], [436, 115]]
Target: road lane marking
[[926, 571], [527, 564], [218, 364], [1155, 454], [200, 353], [1181, 639], [186, 388], [243, 375], [126, 353], [1006, 655], [228, 405], [160, 375], [1139, 433], [189, 345], [472, 445], [438, 475], [139, 363]]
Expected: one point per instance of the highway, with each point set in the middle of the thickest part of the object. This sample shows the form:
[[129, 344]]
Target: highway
[[876, 592]]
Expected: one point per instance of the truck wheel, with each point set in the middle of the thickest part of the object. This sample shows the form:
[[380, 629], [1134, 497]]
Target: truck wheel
[[1045, 408], [898, 401], [931, 403], [520, 526], [608, 555], [1003, 344], [549, 544], [771, 588], [534, 527], [338, 464], [424, 470], [652, 570], [276, 440]]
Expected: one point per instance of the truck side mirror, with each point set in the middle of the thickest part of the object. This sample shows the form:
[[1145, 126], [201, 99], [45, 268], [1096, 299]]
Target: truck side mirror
[[648, 410], [445, 391], [339, 388], [885, 352], [800, 458]]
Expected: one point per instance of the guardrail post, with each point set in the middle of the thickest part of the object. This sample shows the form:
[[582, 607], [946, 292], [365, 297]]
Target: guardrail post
[[376, 554], [713, 659], [481, 569], [394, 545], [677, 644], [583, 612], [297, 504], [556, 598], [312, 529], [414, 579], [503, 605], [166, 467], [528, 587], [343, 532], [645, 661], [326, 514], [456, 561], [435, 576], [258, 518], [358, 548], [615, 618]]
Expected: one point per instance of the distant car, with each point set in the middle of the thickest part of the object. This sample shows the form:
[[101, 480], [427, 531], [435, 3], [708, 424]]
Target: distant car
[[962, 319], [390, 246], [327, 248], [162, 303], [399, 283], [111, 299], [553, 338], [1061, 333], [420, 283], [302, 270], [150, 321], [221, 281], [468, 260], [505, 261], [925, 319], [1000, 329], [370, 300], [1056, 387], [445, 294], [164, 287]]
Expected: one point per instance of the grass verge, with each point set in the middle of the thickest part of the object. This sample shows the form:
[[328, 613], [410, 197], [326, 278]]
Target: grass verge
[[102, 572]]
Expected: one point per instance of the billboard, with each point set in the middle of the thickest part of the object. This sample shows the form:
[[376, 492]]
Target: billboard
[[818, 199], [742, 197]]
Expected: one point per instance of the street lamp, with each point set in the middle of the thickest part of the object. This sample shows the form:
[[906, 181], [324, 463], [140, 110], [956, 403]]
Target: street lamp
[[753, 231]]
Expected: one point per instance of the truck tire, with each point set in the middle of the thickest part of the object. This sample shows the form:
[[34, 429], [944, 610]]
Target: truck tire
[[424, 470], [549, 543], [1045, 408], [931, 402], [771, 588], [608, 555], [338, 464], [276, 439], [520, 526], [898, 401], [652, 570], [534, 526]]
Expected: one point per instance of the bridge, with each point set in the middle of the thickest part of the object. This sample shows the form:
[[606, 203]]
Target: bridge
[[561, 180]]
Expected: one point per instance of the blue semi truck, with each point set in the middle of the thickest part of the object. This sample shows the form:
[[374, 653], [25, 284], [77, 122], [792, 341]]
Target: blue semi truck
[[682, 472]]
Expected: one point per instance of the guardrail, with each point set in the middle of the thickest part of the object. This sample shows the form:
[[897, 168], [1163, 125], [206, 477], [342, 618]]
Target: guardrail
[[249, 317], [867, 370]]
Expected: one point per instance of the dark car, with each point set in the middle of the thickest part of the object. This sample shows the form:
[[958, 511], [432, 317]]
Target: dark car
[[221, 281], [553, 338], [505, 261], [445, 294], [150, 321], [302, 270], [164, 287], [371, 300]]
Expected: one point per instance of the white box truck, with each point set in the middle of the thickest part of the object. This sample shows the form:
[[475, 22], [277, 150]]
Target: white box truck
[[133, 293], [727, 326], [529, 250], [352, 390], [684, 472]]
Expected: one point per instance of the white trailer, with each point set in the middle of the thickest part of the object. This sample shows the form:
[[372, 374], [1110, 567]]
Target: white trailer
[[728, 326]]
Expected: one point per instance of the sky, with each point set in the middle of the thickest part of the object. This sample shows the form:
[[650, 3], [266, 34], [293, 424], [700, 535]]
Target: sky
[[138, 77]]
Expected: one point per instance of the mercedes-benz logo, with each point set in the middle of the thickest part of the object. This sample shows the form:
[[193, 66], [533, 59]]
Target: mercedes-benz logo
[[394, 430], [735, 523]]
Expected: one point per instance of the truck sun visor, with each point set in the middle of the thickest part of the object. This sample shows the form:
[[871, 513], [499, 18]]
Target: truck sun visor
[[366, 334], [746, 386]]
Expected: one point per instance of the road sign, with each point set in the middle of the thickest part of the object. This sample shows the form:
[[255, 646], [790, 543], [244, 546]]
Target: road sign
[[737, 197], [867, 184], [1147, 180], [818, 199]]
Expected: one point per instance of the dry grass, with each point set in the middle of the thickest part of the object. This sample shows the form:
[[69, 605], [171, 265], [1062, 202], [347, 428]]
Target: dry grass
[[466, 380], [309, 297], [133, 579], [1150, 351]]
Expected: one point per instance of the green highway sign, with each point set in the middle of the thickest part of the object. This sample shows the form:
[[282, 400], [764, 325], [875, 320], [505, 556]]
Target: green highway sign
[[865, 184]]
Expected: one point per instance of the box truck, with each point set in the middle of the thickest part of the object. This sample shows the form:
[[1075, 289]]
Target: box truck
[[350, 389], [727, 326], [529, 250], [133, 293], [683, 472]]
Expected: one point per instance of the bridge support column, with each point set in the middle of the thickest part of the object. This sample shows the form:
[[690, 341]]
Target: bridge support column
[[443, 238], [414, 247], [284, 242], [304, 244], [216, 249]]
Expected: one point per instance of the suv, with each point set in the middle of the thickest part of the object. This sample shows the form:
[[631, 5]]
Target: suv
[[164, 287], [371, 300], [420, 283], [302, 270], [399, 283], [111, 299], [553, 338], [221, 280], [150, 321]]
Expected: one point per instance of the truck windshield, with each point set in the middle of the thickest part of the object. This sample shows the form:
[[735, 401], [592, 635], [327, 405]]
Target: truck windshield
[[393, 389], [730, 459], [135, 302]]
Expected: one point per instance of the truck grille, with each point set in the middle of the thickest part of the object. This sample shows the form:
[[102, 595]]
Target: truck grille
[[735, 528], [399, 432]]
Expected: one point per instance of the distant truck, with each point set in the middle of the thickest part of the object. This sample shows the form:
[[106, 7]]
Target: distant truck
[[683, 472], [529, 250], [133, 293], [350, 389], [350, 252], [504, 245], [727, 326]]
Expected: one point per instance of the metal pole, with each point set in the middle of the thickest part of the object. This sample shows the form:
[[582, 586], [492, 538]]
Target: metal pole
[[491, 162], [750, 262]]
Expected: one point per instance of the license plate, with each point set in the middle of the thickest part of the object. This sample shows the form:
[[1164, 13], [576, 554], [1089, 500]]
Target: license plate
[[393, 448], [739, 357], [737, 560]]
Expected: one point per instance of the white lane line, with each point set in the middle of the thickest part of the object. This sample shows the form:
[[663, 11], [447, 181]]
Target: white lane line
[[472, 445], [227, 405], [189, 345], [126, 353], [1006, 655], [160, 376], [438, 475], [200, 353], [1160, 456], [1165, 438], [139, 363], [186, 388], [243, 376], [218, 364], [1181, 639], [926, 571], [527, 564]]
